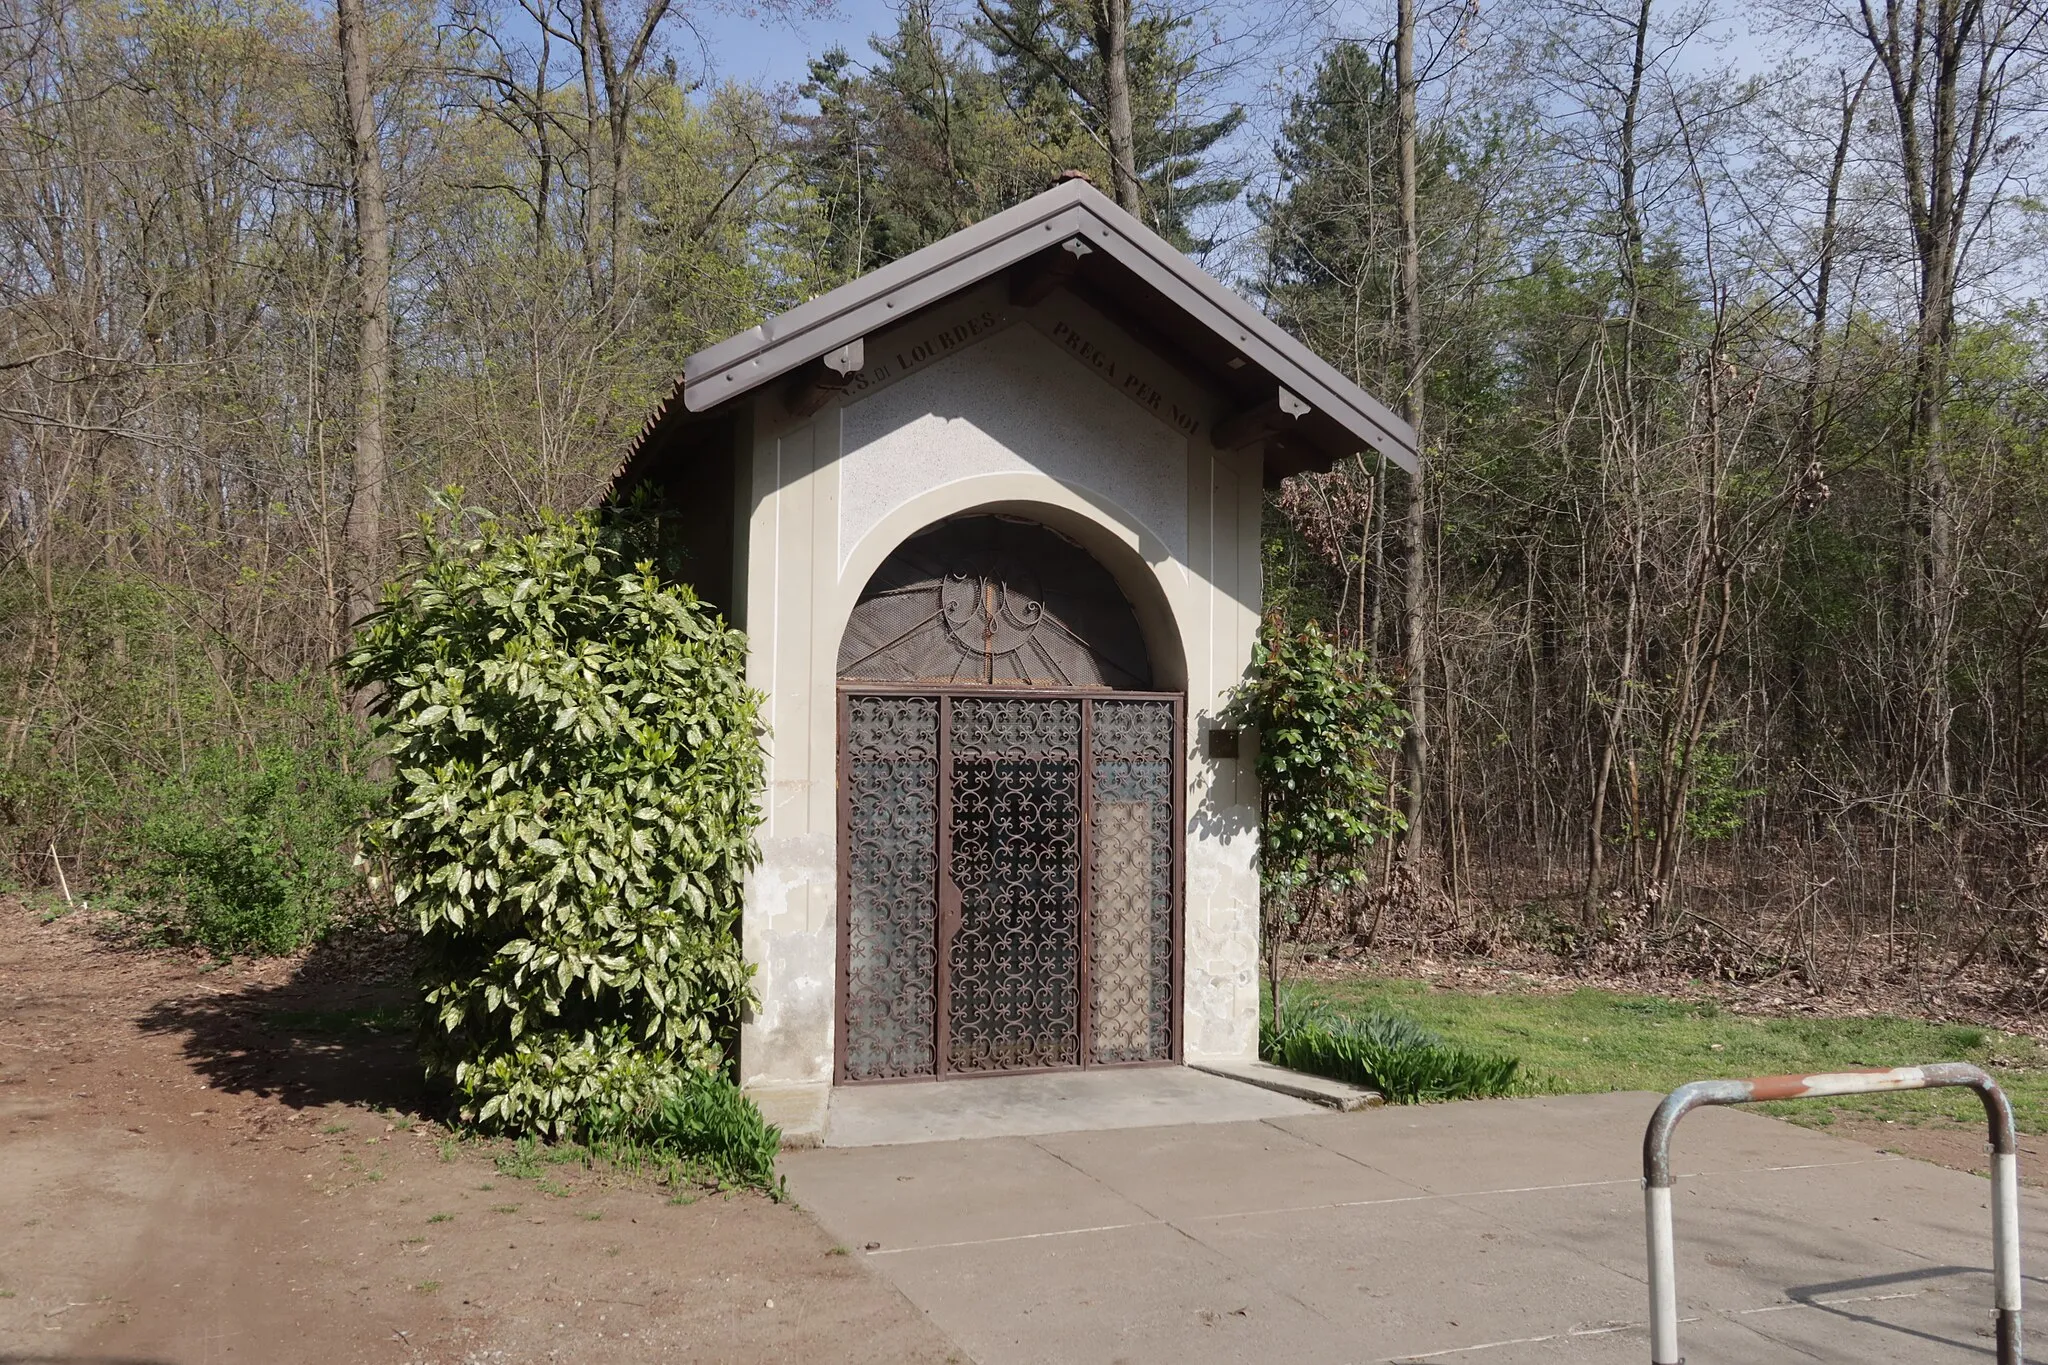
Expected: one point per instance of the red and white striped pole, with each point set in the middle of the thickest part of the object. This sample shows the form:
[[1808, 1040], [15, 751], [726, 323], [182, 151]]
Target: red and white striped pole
[[2005, 1179]]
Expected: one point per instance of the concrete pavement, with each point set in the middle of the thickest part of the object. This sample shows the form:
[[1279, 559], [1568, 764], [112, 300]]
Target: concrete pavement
[[1495, 1232], [1050, 1102]]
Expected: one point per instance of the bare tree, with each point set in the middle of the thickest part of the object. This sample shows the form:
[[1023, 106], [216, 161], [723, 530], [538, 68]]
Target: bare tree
[[1414, 519], [371, 464], [1950, 68]]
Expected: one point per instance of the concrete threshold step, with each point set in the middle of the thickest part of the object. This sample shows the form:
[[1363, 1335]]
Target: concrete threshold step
[[1338, 1095]]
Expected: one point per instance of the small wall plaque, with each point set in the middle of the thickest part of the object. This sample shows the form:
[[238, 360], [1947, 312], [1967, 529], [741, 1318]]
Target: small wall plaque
[[1220, 743]]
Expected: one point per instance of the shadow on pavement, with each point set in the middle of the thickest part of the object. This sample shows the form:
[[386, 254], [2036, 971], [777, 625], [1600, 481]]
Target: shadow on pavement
[[1826, 1298], [338, 1032]]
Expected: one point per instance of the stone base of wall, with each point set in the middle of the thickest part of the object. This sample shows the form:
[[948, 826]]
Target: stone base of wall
[[798, 1110]]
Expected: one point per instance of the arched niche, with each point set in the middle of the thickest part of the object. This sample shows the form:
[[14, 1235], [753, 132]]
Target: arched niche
[[1130, 554], [999, 600]]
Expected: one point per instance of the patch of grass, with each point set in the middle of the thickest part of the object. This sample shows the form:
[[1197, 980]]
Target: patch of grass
[[703, 1132], [1596, 1040], [1381, 1050], [504, 1208], [521, 1161], [427, 1287], [442, 1218], [333, 1128]]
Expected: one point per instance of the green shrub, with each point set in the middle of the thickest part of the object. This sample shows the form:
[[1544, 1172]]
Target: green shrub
[[245, 853], [212, 794], [1394, 1055], [1328, 728], [578, 768]]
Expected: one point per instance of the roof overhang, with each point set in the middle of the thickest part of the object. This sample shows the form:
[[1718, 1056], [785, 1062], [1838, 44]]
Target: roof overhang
[[1272, 385]]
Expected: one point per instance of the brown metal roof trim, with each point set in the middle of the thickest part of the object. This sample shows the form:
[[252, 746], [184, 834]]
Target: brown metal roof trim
[[1348, 415]]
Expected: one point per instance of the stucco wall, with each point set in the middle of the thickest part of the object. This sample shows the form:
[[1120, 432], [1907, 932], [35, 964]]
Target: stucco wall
[[1050, 412]]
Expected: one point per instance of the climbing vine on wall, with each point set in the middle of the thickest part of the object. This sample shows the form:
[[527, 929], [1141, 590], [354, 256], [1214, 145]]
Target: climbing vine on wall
[[1327, 727]]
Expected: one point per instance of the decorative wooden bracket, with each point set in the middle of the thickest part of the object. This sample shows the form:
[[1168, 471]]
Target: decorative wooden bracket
[[1276, 414], [825, 378], [1047, 271]]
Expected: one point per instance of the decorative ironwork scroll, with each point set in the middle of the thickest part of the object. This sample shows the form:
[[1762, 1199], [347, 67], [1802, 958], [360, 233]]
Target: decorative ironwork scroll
[[1130, 964], [892, 881], [989, 599], [1013, 960]]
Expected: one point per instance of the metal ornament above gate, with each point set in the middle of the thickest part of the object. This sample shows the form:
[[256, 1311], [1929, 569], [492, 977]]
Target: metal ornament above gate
[[994, 600]]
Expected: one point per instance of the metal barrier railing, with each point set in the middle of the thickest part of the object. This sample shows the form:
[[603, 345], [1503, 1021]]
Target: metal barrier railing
[[2005, 1179]]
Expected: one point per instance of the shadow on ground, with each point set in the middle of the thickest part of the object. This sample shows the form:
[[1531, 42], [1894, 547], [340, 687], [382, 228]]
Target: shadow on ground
[[338, 1031], [1830, 1298]]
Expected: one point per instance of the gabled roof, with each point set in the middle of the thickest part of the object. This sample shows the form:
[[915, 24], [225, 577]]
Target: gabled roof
[[1132, 273]]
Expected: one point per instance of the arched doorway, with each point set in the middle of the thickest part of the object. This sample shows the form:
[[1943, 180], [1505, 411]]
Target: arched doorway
[[1010, 847]]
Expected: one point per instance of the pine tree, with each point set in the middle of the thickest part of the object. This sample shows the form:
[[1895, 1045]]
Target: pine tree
[[912, 147], [1051, 73]]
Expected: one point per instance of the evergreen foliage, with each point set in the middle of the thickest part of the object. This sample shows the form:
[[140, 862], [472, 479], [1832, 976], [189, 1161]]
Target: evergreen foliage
[[1333, 237], [1327, 727], [578, 767], [1051, 73], [912, 146], [940, 130]]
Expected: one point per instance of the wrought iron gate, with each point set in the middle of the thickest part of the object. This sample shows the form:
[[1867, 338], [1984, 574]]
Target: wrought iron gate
[[1010, 880]]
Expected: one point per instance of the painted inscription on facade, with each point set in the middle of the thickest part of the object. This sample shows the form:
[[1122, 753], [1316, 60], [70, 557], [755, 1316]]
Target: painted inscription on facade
[[896, 356], [1128, 381], [899, 355]]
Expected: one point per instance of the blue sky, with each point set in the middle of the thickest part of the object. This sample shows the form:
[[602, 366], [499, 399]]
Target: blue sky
[[747, 45]]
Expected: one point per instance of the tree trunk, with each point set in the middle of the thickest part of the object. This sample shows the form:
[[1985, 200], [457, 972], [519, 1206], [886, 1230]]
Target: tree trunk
[[1927, 53], [1632, 426], [373, 315], [1414, 525], [1112, 39]]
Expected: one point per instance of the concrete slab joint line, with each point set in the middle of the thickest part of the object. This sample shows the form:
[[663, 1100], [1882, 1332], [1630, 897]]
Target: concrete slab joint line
[[1497, 1232]]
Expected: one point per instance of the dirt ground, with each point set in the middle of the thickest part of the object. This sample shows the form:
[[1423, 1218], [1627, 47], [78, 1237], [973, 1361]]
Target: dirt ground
[[1959, 1146], [202, 1165]]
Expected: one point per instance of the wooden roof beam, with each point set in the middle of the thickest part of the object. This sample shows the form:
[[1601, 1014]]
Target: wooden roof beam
[[1038, 277], [1277, 414], [825, 378]]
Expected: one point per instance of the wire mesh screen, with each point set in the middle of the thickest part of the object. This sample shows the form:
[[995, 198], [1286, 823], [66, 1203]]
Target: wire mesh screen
[[1131, 881], [992, 600]]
